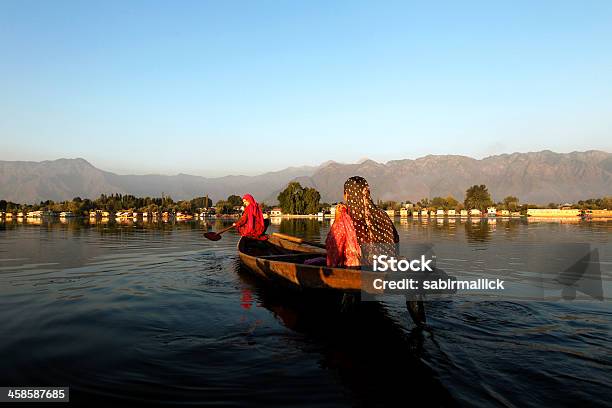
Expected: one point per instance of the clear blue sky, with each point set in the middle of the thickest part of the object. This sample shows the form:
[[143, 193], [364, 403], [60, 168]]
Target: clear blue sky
[[230, 87]]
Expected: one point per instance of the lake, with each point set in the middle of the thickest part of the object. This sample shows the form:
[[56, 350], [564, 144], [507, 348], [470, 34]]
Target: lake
[[144, 312]]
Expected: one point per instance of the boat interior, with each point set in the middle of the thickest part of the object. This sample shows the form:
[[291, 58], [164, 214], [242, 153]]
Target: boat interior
[[280, 250]]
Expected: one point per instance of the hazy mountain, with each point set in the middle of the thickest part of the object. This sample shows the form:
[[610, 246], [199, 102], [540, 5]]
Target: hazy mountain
[[536, 177], [65, 179], [52, 180]]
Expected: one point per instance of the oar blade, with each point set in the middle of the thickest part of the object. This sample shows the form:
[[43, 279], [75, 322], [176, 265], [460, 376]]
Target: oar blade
[[416, 309], [213, 236]]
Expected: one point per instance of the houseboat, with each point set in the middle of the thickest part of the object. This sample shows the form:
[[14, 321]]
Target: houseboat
[[99, 214], [207, 212], [553, 212], [590, 214], [601, 213]]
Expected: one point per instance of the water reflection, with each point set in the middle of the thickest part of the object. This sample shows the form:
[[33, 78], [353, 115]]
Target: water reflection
[[372, 355], [565, 220], [478, 230], [151, 310], [301, 227]]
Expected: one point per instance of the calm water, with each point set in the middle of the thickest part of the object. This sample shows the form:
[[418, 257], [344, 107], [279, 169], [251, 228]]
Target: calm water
[[147, 312]]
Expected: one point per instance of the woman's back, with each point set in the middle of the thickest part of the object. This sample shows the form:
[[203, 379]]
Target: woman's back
[[375, 231]]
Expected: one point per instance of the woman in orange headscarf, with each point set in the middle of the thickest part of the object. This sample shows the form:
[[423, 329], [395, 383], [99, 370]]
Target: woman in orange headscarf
[[251, 224]]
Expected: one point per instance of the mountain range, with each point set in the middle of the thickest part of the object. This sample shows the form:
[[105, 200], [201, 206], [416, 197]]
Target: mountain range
[[534, 177]]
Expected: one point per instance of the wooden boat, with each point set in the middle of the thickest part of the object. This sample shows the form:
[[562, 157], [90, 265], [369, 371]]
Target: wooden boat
[[282, 261]]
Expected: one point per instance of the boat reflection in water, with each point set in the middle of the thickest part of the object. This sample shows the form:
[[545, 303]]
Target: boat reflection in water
[[370, 353]]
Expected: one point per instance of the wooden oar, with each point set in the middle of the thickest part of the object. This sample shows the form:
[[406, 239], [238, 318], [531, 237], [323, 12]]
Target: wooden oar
[[298, 240], [215, 236], [416, 309]]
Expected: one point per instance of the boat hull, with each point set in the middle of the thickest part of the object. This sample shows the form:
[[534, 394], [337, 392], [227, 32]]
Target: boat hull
[[282, 261]]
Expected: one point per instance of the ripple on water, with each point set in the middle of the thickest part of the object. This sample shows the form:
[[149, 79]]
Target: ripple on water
[[140, 313]]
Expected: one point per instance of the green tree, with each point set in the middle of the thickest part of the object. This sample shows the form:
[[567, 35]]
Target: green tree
[[311, 198], [511, 203], [201, 202], [389, 205], [438, 202], [185, 207], [444, 203], [234, 200], [291, 199], [423, 203], [478, 197], [295, 199], [223, 207], [451, 203]]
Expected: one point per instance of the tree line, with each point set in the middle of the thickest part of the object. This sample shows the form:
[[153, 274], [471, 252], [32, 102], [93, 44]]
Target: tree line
[[112, 203], [294, 199], [478, 197], [127, 202]]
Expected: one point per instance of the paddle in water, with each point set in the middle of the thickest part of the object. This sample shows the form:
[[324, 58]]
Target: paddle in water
[[215, 236]]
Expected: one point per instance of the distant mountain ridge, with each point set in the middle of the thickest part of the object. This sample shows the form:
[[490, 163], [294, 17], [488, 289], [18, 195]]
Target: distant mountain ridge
[[535, 177], [64, 179]]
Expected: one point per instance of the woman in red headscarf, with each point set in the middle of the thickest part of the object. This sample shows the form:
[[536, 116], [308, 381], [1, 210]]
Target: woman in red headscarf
[[341, 243], [251, 224]]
